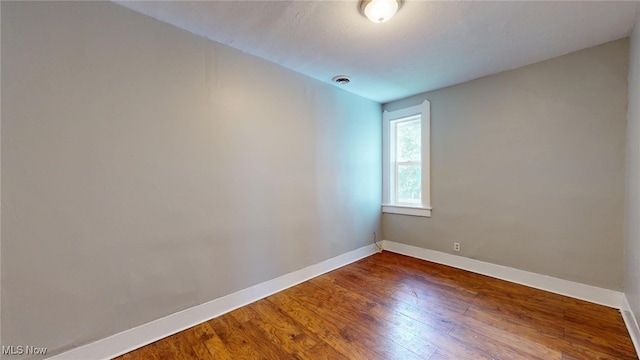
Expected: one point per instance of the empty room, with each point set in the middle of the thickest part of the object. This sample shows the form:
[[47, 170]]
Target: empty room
[[357, 179]]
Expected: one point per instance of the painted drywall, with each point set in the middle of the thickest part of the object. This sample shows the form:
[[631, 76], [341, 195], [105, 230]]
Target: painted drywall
[[632, 201], [0, 183], [528, 168], [146, 170]]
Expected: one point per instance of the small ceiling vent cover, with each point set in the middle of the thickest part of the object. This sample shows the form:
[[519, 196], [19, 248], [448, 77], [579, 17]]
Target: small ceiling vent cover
[[341, 79]]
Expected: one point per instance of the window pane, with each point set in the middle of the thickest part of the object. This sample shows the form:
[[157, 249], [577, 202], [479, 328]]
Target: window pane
[[408, 140], [409, 183]]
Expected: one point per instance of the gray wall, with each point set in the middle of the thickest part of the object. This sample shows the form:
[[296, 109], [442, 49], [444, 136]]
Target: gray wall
[[0, 182], [632, 204], [146, 170], [528, 168]]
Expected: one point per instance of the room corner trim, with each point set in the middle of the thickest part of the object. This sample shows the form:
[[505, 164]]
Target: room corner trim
[[572, 289], [631, 322], [137, 337]]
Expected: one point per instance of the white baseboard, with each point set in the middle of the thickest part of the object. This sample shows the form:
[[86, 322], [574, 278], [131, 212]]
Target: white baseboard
[[131, 339], [572, 289], [632, 323]]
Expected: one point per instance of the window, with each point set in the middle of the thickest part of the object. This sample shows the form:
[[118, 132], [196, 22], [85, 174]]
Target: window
[[406, 181]]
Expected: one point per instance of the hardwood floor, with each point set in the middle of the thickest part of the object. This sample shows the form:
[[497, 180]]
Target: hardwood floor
[[389, 306]]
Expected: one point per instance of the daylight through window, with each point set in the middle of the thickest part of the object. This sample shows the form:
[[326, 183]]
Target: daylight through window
[[406, 173]]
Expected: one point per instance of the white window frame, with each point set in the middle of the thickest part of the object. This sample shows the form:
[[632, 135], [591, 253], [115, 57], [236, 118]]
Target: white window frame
[[388, 204]]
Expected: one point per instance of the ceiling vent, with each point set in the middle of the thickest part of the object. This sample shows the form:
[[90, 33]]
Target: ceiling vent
[[341, 79]]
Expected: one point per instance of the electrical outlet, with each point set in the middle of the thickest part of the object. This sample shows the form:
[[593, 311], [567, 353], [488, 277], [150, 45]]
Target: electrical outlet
[[456, 246]]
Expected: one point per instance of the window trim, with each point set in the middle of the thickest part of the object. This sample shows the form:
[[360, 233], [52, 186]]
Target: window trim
[[423, 209]]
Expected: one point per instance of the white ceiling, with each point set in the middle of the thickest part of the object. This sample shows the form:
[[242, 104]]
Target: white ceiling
[[427, 45]]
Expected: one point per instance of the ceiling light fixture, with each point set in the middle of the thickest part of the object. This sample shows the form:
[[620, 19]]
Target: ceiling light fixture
[[379, 11]]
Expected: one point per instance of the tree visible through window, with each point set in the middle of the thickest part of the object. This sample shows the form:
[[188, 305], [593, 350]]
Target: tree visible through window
[[408, 160], [406, 174]]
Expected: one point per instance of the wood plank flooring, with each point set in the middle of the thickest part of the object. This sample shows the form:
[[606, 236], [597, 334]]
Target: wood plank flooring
[[389, 306]]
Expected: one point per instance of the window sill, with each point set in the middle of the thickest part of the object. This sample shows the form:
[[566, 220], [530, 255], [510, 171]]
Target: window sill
[[407, 210]]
